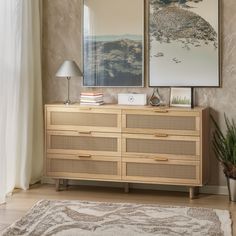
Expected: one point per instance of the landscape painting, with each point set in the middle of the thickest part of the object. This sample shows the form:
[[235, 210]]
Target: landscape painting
[[113, 43], [184, 43]]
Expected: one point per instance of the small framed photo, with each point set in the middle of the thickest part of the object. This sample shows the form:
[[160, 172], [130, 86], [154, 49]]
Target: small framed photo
[[181, 97]]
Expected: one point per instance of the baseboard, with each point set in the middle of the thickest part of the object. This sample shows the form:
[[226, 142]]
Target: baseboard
[[212, 189], [208, 189]]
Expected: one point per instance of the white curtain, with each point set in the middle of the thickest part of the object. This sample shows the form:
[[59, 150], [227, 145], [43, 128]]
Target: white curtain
[[21, 119]]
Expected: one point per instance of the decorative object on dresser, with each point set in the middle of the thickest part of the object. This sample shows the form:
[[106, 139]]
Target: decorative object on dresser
[[155, 99], [132, 99], [68, 218], [95, 99], [224, 146], [181, 97], [69, 69], [127, 144]]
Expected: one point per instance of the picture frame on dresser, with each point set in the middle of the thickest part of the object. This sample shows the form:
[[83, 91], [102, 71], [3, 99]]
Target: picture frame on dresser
[[181, 97], [193, 58], [113, 43]]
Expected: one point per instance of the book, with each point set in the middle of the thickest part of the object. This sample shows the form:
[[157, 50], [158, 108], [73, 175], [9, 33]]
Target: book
[[91, 98], [91, 94], [92, 104], [90, 101]]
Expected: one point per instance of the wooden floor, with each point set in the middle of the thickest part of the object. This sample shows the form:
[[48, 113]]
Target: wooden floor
[[22, 201]]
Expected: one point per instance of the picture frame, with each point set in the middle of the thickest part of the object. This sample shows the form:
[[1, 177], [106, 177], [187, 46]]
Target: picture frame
[[191, 56], [181, 97], [113, 43]]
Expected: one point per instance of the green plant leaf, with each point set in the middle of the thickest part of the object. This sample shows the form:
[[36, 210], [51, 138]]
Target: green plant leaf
[[224, 146]]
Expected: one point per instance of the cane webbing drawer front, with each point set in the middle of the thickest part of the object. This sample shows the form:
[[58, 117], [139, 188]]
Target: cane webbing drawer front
[[94, 167], [149, 144], [171, 172], [82, 119], [169, 122], [94, 143]]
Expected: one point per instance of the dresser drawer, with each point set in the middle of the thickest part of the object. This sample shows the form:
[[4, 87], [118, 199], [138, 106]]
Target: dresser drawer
[[93, 143], [161, 171], [83, 119], [159, 145], [83, 166], [159, 120]]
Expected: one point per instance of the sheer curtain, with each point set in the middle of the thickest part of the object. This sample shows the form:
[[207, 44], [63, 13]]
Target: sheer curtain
[[21, 119]]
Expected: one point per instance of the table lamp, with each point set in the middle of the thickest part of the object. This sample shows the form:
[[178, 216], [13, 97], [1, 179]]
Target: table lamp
[[69, 69]]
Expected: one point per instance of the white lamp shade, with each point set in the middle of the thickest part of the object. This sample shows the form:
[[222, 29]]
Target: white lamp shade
[[69, 69]]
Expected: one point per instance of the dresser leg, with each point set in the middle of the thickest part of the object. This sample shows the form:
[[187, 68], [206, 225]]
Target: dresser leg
[[126, 186], [193, 192], [65, 183], [57, 184]]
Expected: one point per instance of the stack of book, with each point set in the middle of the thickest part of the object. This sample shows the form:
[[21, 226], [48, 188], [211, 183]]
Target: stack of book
[[91, 99]]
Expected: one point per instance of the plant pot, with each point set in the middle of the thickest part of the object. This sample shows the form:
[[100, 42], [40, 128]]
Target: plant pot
[[232, 189]]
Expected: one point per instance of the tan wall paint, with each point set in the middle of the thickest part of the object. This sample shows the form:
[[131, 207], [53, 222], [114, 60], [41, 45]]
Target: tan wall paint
[[62, 39]]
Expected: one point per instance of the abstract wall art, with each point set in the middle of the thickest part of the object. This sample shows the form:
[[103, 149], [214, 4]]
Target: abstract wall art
[[184, 43]]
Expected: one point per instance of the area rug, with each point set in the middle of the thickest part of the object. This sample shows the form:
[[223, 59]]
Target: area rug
[[77, 218]]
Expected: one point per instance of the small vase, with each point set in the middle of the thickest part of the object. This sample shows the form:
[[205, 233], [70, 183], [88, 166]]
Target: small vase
[[232, 189], [155, 99]]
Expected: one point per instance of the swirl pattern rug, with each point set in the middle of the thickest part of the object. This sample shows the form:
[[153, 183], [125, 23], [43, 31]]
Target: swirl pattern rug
[[72, 218]]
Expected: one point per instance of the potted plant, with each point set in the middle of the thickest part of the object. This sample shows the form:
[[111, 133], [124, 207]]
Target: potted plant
[[224, 146]]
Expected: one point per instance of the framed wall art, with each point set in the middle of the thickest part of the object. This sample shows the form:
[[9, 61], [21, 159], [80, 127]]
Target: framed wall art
[[184, 43], [113, 43]]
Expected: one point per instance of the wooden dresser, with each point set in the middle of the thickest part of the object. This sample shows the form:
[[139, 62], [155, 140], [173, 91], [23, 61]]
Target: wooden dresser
[[138, 144]]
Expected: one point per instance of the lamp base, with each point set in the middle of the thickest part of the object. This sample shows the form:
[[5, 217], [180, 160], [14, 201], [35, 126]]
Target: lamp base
[[68, 102]]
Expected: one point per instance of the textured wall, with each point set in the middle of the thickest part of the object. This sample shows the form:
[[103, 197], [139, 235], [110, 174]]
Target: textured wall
[[62, 39]]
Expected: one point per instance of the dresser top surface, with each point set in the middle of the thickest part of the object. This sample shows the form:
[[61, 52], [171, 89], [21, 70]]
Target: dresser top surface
[[128, 107]]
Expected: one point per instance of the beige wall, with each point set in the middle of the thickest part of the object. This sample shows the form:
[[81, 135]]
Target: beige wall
[[62, 39]]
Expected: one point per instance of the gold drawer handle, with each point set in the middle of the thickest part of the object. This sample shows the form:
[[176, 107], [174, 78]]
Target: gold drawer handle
[[161, 159], [161, 135], [84, 132], [161, 111], [84, 156], [85, 108]]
